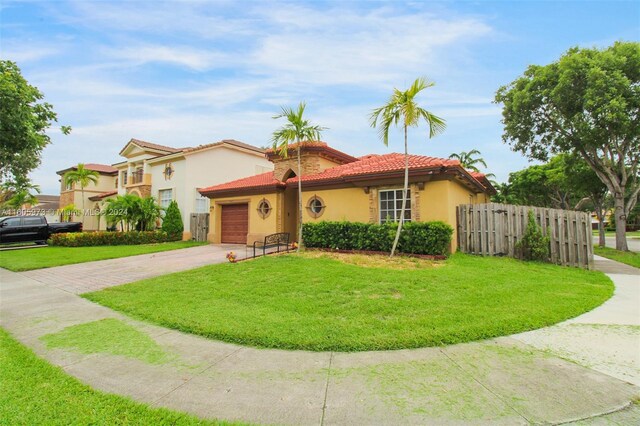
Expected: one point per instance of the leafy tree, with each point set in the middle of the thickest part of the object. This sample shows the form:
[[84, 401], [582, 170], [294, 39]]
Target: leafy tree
[[149, 212], [15, 196], [24, 120], [402, 108], [82, 176], [469, 159], [587, 103], [68, 212], [583, 180], [534, 244], [172, 222], [295, 131]]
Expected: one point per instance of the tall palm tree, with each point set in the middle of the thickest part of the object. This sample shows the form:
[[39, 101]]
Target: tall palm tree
[[296, 130], [402, 109], [84, 177], [468, 160]]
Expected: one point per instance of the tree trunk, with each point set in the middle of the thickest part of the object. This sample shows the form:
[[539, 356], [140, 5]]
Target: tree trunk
[[621, 222], [299, 199], [83, 210], [404, 194], [601, 240]]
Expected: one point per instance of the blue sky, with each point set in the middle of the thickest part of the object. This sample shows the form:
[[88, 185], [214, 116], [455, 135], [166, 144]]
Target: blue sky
[[194, 72]]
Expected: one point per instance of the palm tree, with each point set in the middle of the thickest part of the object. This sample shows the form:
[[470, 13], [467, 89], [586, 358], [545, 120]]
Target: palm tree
[[402, 108], [296, 130], [15, 195], [468, 161], [149, 212], [83, 177]]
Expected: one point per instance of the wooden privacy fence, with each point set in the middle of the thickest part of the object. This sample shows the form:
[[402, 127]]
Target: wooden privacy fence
[[199, 226], [493, 230]]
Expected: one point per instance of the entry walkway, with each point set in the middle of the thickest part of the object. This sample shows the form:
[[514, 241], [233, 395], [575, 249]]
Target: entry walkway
[[498, 381]]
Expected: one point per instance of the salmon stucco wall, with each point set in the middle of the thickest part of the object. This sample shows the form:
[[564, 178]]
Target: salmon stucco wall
[[347, 204], [259, 227]]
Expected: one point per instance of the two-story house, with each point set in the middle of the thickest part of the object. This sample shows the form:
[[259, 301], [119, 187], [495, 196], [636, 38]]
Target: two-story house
[[168, 173]]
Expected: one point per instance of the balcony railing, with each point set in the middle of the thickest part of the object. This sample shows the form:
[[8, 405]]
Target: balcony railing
[[136, 177]]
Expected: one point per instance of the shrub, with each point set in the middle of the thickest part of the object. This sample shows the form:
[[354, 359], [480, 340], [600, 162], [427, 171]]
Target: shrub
[[172, 222], [534, 245], [85, 239], [417, 237]]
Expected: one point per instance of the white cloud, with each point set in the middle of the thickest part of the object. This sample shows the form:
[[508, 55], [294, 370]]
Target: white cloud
[[186, 56], [346, 47]]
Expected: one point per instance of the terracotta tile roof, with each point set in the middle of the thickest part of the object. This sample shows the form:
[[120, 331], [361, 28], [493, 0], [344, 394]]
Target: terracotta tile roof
[[264, 180], [100, 168], [315, 146], [378, 164], [373, 165], [151, 145], [482, 178], [103, 195], [228, 142], [104, 168]]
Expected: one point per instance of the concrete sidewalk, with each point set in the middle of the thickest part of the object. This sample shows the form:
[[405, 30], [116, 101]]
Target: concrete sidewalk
[[607, 339], [498, 381]]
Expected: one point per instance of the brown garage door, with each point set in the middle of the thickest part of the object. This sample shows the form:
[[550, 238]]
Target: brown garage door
[[235, 223]]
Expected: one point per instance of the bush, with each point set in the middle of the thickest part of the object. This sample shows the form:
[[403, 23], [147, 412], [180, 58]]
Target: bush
[[534, 245], [85, 239], [416, 238], [172, 222]]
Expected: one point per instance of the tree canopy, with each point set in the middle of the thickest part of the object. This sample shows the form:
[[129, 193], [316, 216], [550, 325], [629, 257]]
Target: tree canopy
[[24, 120], [587, 103]]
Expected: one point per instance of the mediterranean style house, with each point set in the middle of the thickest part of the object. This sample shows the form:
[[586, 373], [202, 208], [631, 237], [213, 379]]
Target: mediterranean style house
[[94, 193], [339, 187], [167, 174]]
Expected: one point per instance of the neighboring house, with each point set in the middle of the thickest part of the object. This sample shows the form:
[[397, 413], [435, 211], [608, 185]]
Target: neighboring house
[[47, 206], [337, 186], [72, 194], [168, 173]]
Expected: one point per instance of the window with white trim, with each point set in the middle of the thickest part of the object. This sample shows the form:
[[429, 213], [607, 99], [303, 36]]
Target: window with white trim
[[202, 203], [390, 205], [165, 196]]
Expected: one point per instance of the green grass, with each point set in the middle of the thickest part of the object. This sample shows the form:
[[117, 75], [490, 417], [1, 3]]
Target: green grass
[[33, 392], [630, 234], [99, 337], [320, 303], [47, 257], [628, 257]]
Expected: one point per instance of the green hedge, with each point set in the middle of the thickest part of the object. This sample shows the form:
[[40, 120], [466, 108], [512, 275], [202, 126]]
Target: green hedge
[[417, 237], [85, 239]]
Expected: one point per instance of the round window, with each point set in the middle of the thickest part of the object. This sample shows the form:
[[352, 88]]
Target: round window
[[315, 206], [264, 208]]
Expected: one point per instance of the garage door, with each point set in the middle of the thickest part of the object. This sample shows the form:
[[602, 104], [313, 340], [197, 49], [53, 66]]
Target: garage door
[[235, 223]]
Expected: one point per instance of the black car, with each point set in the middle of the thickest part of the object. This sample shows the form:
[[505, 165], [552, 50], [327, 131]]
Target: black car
[[16, 229]]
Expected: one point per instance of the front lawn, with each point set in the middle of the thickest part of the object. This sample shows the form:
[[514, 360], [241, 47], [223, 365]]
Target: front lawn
[[46, 257], [330, 302], [628, 257], [630, 234], [33, 392]]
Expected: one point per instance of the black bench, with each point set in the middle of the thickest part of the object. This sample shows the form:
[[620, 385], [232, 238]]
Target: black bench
[[281, 239]]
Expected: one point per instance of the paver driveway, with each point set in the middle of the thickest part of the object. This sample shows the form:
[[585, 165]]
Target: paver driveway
[[92, 276]]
